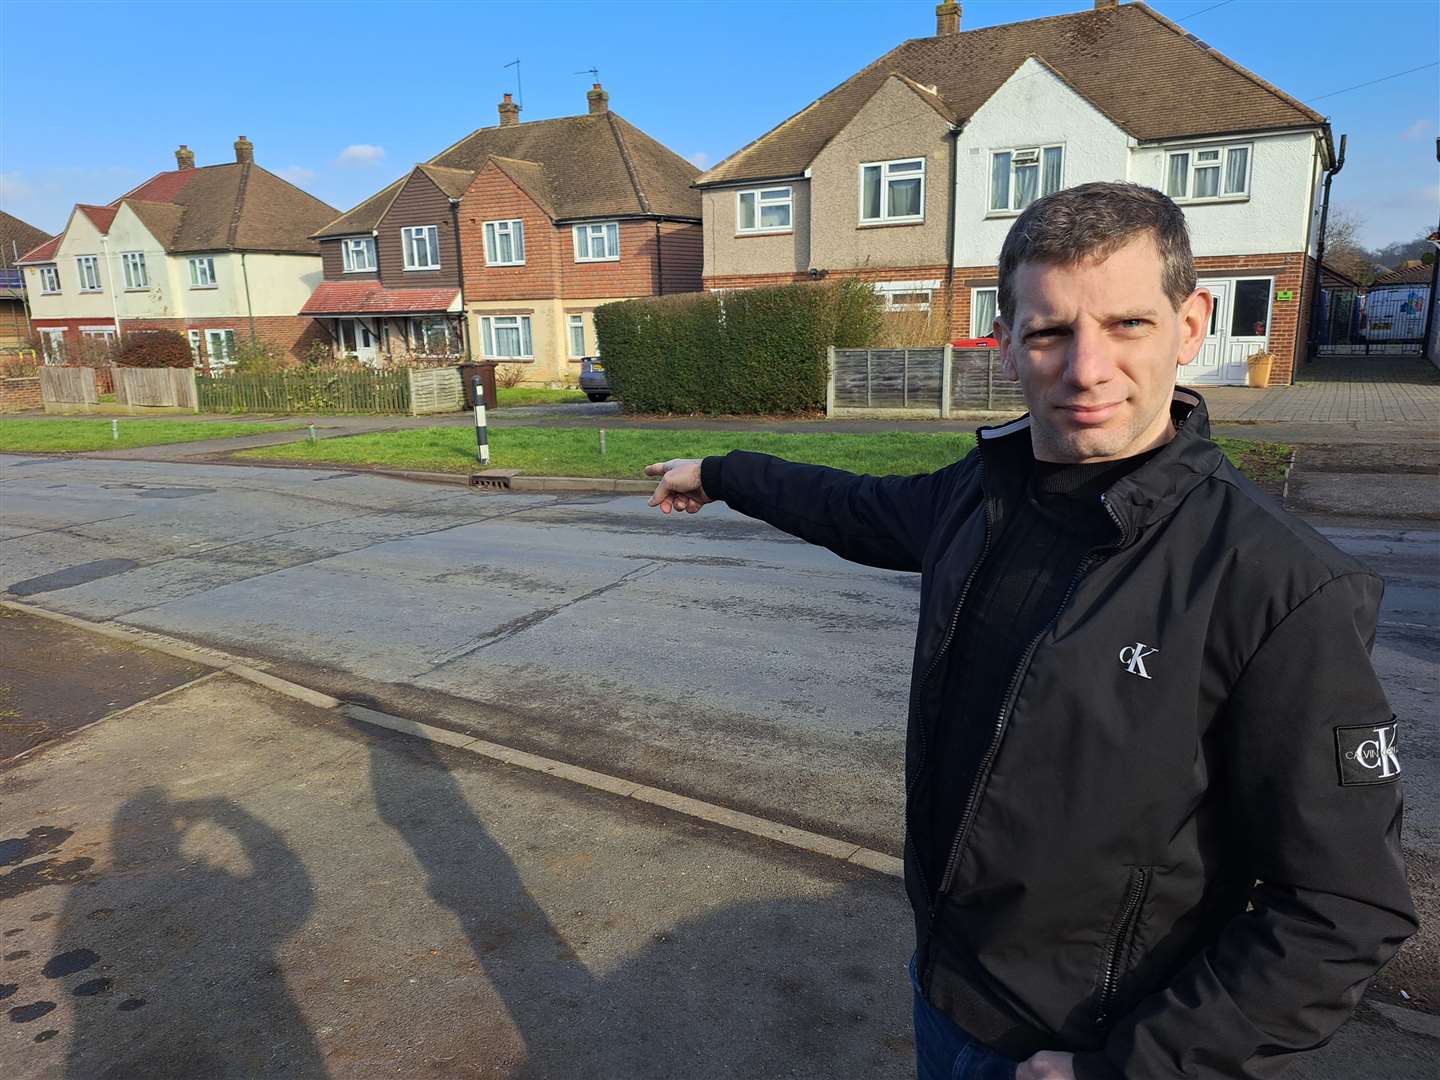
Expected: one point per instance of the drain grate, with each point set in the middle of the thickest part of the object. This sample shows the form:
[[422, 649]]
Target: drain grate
[[493, 483]]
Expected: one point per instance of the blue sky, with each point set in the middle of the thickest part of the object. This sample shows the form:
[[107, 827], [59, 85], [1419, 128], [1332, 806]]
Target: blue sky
[[342, 97]]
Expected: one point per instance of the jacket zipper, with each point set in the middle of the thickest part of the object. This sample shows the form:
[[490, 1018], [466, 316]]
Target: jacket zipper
[[915, 717], [1110, 973], [981, 774]]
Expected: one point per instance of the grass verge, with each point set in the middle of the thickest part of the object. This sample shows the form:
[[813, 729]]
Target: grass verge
[[79, 435], [537, 395], [576, 451]]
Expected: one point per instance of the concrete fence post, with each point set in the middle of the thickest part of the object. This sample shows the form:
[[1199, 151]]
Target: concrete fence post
[[414, 406], [830, 382], [947, 366], [905, 381]]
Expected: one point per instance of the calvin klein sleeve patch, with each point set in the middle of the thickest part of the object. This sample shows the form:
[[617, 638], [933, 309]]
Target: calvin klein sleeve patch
[[1367, 755]]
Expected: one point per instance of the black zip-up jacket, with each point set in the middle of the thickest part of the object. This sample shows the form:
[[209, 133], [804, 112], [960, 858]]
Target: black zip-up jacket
[[1181, 853]]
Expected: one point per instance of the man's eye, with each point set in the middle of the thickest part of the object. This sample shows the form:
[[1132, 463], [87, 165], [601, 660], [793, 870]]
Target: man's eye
[[1131, 324]]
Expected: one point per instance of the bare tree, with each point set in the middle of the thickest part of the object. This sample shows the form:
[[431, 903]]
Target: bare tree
[[1342, 246]]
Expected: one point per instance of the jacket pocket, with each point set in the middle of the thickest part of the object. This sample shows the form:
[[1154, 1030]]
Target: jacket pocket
[[1120, 943]]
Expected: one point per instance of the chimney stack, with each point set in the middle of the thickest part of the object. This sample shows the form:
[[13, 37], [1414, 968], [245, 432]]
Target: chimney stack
[[1102, 5], [509, 113], [599, 101], [244, 151], [947, 19], [184, 157]]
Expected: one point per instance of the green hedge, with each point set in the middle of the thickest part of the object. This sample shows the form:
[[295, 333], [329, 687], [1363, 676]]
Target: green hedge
[[750, 351]]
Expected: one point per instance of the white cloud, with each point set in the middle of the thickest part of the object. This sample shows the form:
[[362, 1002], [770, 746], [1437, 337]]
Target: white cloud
[[1418, 130], [297, 174], [362, 154], [699, 159]]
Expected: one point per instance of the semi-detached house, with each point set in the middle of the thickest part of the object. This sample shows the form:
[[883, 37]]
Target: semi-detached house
[[502, 246], [910, 173], [219, 253]]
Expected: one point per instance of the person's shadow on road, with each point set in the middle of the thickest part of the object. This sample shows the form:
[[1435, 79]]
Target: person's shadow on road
[[789, 987]]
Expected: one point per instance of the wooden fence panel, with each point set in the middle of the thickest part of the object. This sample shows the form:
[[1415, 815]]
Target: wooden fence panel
[[889, 378], [307, 392], [435, 390], [979, 382], [156, 388], [63, 386]]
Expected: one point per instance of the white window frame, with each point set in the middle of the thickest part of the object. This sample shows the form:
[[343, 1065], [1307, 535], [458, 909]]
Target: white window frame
[[588, 232], [194, 336], [348, 251], [415, 335], [431, 235], [1193, 165], [49, 279], [53, 343], [1013, 191], [219, 361], [983, 331], [887, 291], [762, 199], [87, 268], [514, 228], [573, 323], [886, 179], [104, 333], [490, 323], [133, 263], [202, 272]]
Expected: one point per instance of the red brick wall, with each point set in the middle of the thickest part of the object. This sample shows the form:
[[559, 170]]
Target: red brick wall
[[494, 197], [1286, 316], [682, 256], [291, 335], [633, 275], [16, 395]]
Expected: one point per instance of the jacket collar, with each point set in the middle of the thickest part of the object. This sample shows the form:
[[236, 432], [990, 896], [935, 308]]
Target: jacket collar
[[1145, 496]]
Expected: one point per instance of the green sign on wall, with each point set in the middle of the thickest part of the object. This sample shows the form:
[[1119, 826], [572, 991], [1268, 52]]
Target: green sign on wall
[[1285, 294]]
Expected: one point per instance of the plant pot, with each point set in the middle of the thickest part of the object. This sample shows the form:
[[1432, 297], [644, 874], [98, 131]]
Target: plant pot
[[1259, 370]]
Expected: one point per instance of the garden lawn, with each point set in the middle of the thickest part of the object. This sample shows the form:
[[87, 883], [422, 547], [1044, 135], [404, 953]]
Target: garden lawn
[[537, 395], [538, 451], [78, 435]]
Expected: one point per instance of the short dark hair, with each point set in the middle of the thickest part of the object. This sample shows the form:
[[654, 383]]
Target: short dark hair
[[1092, 221]]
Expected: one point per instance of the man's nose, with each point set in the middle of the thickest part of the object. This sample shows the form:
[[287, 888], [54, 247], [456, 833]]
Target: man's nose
[[1089, 362]]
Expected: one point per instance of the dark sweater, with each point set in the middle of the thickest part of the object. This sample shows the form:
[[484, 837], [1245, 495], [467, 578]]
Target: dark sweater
[[1017, 589]]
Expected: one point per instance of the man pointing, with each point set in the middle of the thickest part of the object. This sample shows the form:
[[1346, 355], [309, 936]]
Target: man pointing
[[1153, 801]]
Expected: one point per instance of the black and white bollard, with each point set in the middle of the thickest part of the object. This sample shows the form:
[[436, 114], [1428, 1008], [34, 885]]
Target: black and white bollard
[[482, 438], [115, 429]]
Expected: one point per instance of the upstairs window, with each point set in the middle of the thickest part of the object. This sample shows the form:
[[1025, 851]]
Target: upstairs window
[[597, 242], [88, 266], [505, 243], [1208, 172], [421, 244], [134, 264], [892, 191], [50, 279], [1019, 177], [764, 210], [358, 254], [202, 272]]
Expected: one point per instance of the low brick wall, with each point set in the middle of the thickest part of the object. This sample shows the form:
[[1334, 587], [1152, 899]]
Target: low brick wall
[[18, 395]]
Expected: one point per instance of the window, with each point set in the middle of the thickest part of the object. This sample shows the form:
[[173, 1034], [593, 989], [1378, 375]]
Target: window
[[1208, 172], [430, 334], [421, 244], [1250, 310], [195, 346], [599, 242], [764, 210], [49, 279], [202, 272], [1019, 177], [576, 324], [53, 338], [358, 254], [983, 311], [89, 269], [893, 191], [220, 344], [505, 243], [506, 337], [99, 333], [905, 295], [134, 264]]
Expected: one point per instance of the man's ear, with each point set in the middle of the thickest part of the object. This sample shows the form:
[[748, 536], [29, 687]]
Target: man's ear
[[1194, 324], [1007, 362]]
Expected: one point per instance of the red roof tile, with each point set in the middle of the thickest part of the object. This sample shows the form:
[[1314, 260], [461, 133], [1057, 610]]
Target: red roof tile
[[44, 253], [162, 187], [372, 298], [101, 216]]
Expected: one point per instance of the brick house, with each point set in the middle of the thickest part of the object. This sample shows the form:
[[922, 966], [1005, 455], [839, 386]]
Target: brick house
[[219, 253], [502, 246], [910, 173], [16, 238]]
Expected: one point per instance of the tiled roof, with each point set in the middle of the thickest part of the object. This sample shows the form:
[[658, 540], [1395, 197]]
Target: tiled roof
[[592, 166], [1418, 274], [162, 187], [452, 182], [529, 178], [20, 237], [1143, 71], [44, 253], [100, 216], [372, 298]]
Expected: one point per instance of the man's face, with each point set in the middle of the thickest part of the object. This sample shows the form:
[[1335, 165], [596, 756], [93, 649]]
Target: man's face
[[1096, 347]]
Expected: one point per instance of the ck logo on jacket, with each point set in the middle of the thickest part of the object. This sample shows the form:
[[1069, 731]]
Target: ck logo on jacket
[[1133, 657], [1367, 755]]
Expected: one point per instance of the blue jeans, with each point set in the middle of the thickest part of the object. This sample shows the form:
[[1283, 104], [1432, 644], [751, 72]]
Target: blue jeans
[[944, 1052]]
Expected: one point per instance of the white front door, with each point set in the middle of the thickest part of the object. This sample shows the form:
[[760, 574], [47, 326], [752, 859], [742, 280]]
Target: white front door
[[355, 338], [1239, 328], [1206, 367]]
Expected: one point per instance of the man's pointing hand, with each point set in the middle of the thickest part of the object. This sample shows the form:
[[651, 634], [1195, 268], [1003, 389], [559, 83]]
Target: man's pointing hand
[[679, 485]]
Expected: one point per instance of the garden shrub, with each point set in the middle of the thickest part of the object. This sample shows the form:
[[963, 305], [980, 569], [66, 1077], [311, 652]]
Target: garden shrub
[[154, 349]]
